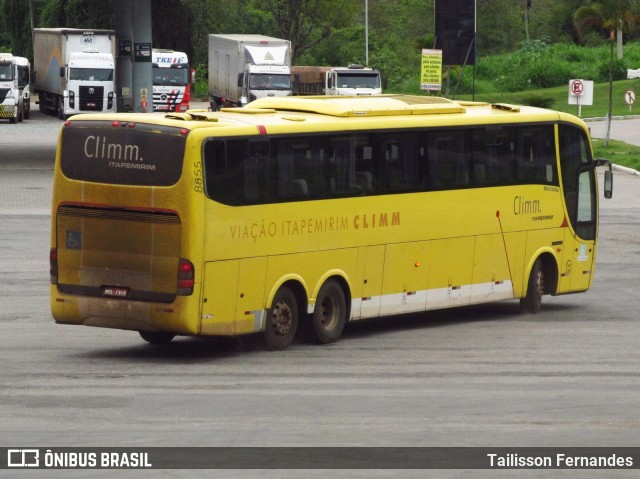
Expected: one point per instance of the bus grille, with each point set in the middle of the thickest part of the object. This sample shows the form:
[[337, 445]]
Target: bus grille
[[91, 98]]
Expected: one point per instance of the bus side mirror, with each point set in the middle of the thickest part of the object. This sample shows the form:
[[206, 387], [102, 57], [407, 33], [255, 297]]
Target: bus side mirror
[[608, 184], [61, 72]]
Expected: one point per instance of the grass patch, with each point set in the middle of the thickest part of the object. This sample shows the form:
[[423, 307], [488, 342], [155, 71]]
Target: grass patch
[[557, 98], [618, 152]]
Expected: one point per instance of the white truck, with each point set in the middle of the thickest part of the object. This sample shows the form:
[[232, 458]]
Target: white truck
[[352, 80], [172, 80], [243, 68], [24, 83], [11, 98], [74, 70]]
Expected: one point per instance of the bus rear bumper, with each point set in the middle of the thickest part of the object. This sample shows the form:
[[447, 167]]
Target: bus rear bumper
[[123, 314]]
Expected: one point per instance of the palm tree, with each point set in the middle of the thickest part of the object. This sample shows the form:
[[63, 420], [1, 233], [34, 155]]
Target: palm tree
[[618, 16]]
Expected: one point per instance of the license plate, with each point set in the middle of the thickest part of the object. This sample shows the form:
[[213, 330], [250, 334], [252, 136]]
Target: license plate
[[92, 105], [115, 292]]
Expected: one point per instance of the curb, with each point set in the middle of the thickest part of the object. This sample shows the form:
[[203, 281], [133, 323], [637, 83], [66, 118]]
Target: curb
[[624, 169]]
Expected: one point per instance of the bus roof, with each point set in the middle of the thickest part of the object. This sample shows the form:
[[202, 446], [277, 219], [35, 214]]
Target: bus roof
[[346, 106], [410, 111]]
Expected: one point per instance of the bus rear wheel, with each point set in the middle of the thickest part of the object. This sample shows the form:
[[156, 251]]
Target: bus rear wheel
[[532, 302], [282, 320], [156, 337], [329, 313]]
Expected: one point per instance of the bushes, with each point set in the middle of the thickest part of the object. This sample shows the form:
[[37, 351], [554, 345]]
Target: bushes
[[537, 65]]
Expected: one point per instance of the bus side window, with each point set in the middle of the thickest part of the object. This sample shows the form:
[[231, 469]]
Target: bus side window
[[236, 174], [536, 161], [362, 168], [448, 160], [492, 157], [258, 174], [400, 169], [300, 168]]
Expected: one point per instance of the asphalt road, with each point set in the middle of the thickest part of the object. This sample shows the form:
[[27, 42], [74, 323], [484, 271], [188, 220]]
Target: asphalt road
[[479, 376]]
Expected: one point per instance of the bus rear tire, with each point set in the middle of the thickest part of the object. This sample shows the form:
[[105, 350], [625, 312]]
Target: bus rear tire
[[282, 320], [532, 302], [156, 337], [329, 314]]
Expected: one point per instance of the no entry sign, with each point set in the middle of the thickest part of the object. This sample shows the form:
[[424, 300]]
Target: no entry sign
[[580, 93], [577, 87]]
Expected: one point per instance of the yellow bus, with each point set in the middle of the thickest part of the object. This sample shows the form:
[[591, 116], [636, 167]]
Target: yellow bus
[[304, 213]]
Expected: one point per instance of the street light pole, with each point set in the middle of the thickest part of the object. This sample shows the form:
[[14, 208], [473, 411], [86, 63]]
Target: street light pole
[[366, 33]]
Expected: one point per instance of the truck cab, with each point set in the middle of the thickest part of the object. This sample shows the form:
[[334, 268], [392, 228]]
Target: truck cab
[[173, 80], [353, 80], [11, 100], [259, 81], [89, 78]]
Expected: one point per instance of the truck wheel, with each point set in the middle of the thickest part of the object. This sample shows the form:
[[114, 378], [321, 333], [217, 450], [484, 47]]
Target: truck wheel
[[12, 119], [329, 314], [282, 320]]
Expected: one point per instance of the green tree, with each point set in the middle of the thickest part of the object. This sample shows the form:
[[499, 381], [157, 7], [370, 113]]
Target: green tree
[[306, 23], [16, 32], [616, 16]]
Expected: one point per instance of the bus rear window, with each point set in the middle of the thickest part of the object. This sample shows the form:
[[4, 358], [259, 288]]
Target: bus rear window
[[142, 155]]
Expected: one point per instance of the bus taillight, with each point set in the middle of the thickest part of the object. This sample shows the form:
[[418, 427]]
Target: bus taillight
[[53, 265], [185, 277]]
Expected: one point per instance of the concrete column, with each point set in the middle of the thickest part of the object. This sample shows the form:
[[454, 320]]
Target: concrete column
[[142, 66], [124, 55], [133, 64]]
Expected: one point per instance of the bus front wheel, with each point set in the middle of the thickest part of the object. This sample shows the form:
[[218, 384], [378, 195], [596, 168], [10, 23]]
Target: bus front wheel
[[329, 313], [282, 320], [156, 337], [535, 289]]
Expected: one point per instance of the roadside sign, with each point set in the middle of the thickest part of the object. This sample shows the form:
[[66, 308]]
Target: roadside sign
[[431, 70], [580, 93], [577, 87], [629, 97]]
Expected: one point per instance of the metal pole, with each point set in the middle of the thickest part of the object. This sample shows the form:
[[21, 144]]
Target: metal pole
[[366, 32]]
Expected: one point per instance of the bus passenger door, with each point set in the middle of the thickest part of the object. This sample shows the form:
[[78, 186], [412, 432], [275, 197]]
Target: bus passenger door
[[579, 187], [585, 227]]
